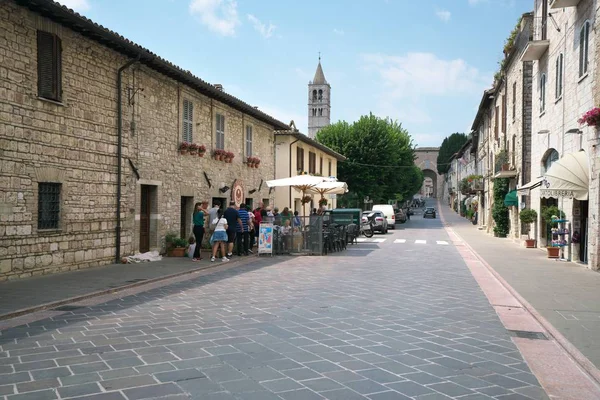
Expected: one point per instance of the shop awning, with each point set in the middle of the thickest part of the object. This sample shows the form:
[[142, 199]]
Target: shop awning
[[511, 199], [568, 177], [531, 185]]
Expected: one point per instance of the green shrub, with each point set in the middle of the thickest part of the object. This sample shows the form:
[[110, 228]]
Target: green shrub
[[500, 211], [528, 216]]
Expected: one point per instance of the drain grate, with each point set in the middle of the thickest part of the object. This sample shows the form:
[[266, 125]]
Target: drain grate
[[67, 308], [528, 335]]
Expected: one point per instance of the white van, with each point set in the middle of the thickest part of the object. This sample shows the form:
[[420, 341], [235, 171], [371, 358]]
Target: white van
[[388, 211]]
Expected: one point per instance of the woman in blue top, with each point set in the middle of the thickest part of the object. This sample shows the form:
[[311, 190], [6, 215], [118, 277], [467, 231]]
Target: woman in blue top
[[200, 212]]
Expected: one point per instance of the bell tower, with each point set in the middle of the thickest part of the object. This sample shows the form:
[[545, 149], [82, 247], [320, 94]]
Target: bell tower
[[319, 102]]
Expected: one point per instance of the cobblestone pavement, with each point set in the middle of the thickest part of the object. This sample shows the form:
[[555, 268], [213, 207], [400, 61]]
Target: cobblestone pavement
[[379, 321]]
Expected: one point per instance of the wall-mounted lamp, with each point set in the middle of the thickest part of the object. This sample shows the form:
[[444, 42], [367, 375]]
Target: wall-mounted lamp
[[252, 191], [543, 132], [575, 130], [224, 189]]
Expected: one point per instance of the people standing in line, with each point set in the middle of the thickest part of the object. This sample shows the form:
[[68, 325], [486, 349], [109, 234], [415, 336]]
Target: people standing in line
[[200, 212], [242, 231], [233, 222], [276, 216], [297, 220], [286, 215], [213, 212], [250, 229], [219, 237]]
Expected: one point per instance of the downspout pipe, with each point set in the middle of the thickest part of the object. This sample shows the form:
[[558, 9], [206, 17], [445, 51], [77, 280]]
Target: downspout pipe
[[120, 154], [290, 190]]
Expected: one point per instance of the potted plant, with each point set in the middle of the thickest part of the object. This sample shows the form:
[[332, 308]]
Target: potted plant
[[502, 161], [193, 149], [528, 217], [183, 147], [322, 202], [465, 186], [306, 199], [218, 154], [256, 162], [229, 156], [178, 249], [590, 118], [250, 162], [552, 214], [201, 150]]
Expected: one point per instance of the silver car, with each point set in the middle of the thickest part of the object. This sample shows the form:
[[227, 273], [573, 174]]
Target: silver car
[[381, 224]]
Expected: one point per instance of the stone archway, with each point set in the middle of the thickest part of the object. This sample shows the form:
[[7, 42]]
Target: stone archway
[[429, 188], [426, 160]]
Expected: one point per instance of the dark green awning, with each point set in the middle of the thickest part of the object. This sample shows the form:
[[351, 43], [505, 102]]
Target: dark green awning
[[511, 199]]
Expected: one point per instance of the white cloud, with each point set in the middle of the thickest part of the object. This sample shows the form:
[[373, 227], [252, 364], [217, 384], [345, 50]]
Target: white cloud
[[416, 74], [220, 16], [338, 31], [77, 5], [444, 15], [265, 30]]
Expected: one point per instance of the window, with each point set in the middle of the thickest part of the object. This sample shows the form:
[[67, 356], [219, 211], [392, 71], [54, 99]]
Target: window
[[514, 101], [314, 94], [504, 112], [48, 205], [329, 168], [49, 58], [314, 112], [559, 75], [497, 122], [514, 150], [320, 112], [584, 39], [300, 159], [188, 119], [321, 165], [543, 93], [248, 141], [320, 95], [220, 132], [312, 163], [551, 157]]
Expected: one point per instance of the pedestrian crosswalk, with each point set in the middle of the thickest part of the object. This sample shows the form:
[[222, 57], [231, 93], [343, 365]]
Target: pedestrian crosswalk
[[402, 241]]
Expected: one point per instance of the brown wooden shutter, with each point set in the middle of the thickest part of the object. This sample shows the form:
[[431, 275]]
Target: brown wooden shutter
[[49, 51]]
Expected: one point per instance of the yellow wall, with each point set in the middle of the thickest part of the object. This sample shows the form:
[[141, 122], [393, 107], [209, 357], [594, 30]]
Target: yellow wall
[[282, 170]]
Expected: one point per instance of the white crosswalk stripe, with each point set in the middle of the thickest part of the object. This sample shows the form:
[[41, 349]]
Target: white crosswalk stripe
[[441, 242], [400, 241], [420, 241]]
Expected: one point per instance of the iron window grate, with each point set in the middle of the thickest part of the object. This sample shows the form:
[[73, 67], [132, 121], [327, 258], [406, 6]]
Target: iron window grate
[[48, 205], [527, 334]]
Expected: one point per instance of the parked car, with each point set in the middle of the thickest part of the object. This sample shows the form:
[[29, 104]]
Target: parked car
[[429, 212], [400, 215], [388, 212], [381, 224]]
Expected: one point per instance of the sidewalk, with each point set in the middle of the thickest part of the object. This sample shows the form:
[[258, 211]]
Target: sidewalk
[[30, 294], [566, 294]]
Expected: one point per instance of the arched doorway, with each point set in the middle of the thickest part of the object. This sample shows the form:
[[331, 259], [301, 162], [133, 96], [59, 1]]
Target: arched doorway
[[429, 188]]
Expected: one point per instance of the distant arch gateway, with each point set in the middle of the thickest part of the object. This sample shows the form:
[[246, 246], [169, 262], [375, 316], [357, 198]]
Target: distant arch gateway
[[426, 160]]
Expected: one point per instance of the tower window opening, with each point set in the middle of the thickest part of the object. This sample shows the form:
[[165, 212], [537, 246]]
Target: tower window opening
[[314, 95], [320, 95]]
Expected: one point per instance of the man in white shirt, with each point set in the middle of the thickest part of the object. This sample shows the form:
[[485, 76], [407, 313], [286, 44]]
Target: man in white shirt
[[213, 214]]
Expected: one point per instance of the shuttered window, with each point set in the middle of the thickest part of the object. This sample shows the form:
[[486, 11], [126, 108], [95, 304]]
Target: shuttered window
[[329, 168], [312, 163], [300, 159], [321, 165], [248, 141], [220, 134], [584, 41], [49, 66], [188, 121]]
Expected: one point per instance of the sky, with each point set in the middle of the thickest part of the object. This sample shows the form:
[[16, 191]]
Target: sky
[[423, 63]]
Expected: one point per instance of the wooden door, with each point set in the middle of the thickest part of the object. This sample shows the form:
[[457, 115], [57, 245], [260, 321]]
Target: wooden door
[[145, 219]]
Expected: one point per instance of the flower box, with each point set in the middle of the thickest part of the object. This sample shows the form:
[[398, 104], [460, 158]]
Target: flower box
[[590, 118], [184, 147]]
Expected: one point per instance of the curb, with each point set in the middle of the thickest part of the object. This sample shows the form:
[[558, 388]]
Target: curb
[[45, 306], [581, 360]]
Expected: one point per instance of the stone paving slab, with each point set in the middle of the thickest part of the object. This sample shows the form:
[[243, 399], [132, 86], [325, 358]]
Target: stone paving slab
[[565, 294], [391, 325], [32, 292]]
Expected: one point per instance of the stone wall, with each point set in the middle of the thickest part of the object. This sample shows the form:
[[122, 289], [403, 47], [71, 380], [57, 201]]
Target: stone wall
[[74, 143]]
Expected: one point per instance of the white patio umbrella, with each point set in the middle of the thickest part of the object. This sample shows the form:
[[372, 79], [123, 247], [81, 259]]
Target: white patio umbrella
[[329, 187], [300, 182]]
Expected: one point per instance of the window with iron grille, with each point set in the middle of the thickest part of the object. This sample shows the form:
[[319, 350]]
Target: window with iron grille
[[49, 57], [188, 121], [248, 141], [48, 205], [312, 163], [300, 159], [220, 144]]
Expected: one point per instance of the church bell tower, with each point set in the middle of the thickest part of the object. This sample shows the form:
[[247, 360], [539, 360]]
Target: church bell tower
[[319, 102]]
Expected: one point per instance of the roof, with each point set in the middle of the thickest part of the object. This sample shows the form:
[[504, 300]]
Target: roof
[[302, 137], [485, 98], [427, 149], [86, 27], [319, 78]]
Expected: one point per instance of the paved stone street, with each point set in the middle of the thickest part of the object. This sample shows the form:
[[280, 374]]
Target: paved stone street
[[380, 321]]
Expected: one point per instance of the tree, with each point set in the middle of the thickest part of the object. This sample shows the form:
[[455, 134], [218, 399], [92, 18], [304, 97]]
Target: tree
[[380, 158], [500, 211], [450, 146]]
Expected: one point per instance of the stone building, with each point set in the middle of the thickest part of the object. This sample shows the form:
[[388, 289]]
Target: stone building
[[564, 70], [90, 130], [298, 154], [426, 160], [319, 102]]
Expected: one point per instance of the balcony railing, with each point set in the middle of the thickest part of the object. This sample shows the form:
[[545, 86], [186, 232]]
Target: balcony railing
[[539, 43]]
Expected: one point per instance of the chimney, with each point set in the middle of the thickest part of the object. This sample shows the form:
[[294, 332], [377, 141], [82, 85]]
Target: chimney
[[219, 86]]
